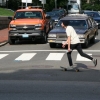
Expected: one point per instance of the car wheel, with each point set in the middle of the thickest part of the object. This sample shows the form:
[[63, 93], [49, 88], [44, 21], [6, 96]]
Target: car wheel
[[93, 40], [52, 45], [11, 41], [44, 38], [86, 44]]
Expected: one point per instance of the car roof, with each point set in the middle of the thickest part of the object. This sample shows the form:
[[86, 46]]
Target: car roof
[[75, 16], [89, 11], [30, 9]]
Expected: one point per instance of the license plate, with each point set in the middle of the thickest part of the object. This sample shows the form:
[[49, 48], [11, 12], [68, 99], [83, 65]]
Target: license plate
[[25, 35]]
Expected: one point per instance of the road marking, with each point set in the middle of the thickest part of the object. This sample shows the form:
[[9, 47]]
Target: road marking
[[80, 58], [49, 50], [3, 55], [25, 56], [55, 56]]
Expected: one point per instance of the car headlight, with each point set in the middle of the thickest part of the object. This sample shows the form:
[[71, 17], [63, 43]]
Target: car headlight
[[38, 26], [81, 36], [56, 19], [12, 25], [52, 35]]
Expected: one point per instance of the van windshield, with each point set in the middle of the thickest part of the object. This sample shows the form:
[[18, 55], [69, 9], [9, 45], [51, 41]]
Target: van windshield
[[73, 6]]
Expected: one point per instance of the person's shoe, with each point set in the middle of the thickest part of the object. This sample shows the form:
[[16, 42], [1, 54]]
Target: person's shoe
[[71, 67], [95, 62]]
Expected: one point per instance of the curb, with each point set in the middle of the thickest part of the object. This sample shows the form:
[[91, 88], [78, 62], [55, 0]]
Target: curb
[[3, 43]]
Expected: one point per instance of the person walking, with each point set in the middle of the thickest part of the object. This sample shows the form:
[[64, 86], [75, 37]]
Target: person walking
[[73, 42]]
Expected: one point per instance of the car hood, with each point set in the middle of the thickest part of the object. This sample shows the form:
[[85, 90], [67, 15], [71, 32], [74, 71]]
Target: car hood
[[26, 21], [59, 30], [55, 18], [81, 31], [96, 18]]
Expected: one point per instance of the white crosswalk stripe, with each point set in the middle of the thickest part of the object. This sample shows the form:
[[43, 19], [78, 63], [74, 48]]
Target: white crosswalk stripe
[[80, 58], [55, 56], [49, 57], [25, 56], [3, 55]]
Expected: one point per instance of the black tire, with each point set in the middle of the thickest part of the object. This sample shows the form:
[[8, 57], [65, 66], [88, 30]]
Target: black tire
[[11, 41], [93, 40], [44, 38], [86, 44], [52, 45]]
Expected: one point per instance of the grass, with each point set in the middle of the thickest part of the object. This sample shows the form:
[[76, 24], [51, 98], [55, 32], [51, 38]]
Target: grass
[[6, 12]]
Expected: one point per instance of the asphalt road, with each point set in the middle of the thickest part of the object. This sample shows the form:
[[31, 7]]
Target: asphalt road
[[32, 71]]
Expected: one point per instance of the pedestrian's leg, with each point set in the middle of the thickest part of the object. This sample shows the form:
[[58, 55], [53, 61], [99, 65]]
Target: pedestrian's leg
[[72, 46], [69, 58], [79, 49]]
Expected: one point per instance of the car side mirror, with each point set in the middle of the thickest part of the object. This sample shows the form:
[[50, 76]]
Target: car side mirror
[[48, 17]]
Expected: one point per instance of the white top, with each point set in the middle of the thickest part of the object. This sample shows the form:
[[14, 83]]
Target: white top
[[72, 33]]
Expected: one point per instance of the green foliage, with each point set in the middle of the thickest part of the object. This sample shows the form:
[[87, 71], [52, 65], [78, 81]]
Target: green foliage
[[6, 12], [50, 4]]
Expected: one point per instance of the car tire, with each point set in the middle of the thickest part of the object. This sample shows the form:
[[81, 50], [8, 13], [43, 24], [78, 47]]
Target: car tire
[[44, 38], [86, 44], [52, 45], [11, 41], [93, 40]]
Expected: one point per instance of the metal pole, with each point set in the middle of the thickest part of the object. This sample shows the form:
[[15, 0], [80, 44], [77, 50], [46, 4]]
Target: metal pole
[[55, 4], [26, 3]]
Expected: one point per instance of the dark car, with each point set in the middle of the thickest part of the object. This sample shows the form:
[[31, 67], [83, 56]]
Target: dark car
[[94, 14], [62, 11], [55, 15], [85, 27]]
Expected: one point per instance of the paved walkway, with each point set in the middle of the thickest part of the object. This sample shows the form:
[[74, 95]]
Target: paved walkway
[[3, 36]]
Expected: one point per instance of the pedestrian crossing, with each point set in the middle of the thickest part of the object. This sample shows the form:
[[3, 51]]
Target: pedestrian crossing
[[49, 57]]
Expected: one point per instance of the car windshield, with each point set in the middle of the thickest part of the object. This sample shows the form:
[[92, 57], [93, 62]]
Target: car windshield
[[52, 14], [28, 14], [92, 14], [80, 24], [73, 6]]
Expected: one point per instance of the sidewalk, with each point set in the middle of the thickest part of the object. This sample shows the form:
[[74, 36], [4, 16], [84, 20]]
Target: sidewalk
[[3, 36]]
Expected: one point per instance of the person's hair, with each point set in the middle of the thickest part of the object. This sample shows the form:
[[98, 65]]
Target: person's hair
[[66, 23]]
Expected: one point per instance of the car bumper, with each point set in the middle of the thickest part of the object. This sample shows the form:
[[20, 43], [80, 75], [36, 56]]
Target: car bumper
[[61, 40], [25, 34]]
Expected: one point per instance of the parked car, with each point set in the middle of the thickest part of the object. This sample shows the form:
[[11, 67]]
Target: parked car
[[94, 14], [85, 27], [29, 24], [55, 15]]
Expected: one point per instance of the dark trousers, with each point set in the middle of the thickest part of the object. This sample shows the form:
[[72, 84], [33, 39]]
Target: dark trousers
[[79, 49]]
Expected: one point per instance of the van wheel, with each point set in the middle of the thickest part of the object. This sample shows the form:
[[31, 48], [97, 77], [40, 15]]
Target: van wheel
[[52, 45], [11, 41]]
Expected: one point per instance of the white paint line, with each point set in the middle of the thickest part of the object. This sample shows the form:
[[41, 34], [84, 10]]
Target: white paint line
[[25, 56], [3, 55], [49, 50], [80, 58], [55, 56]]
